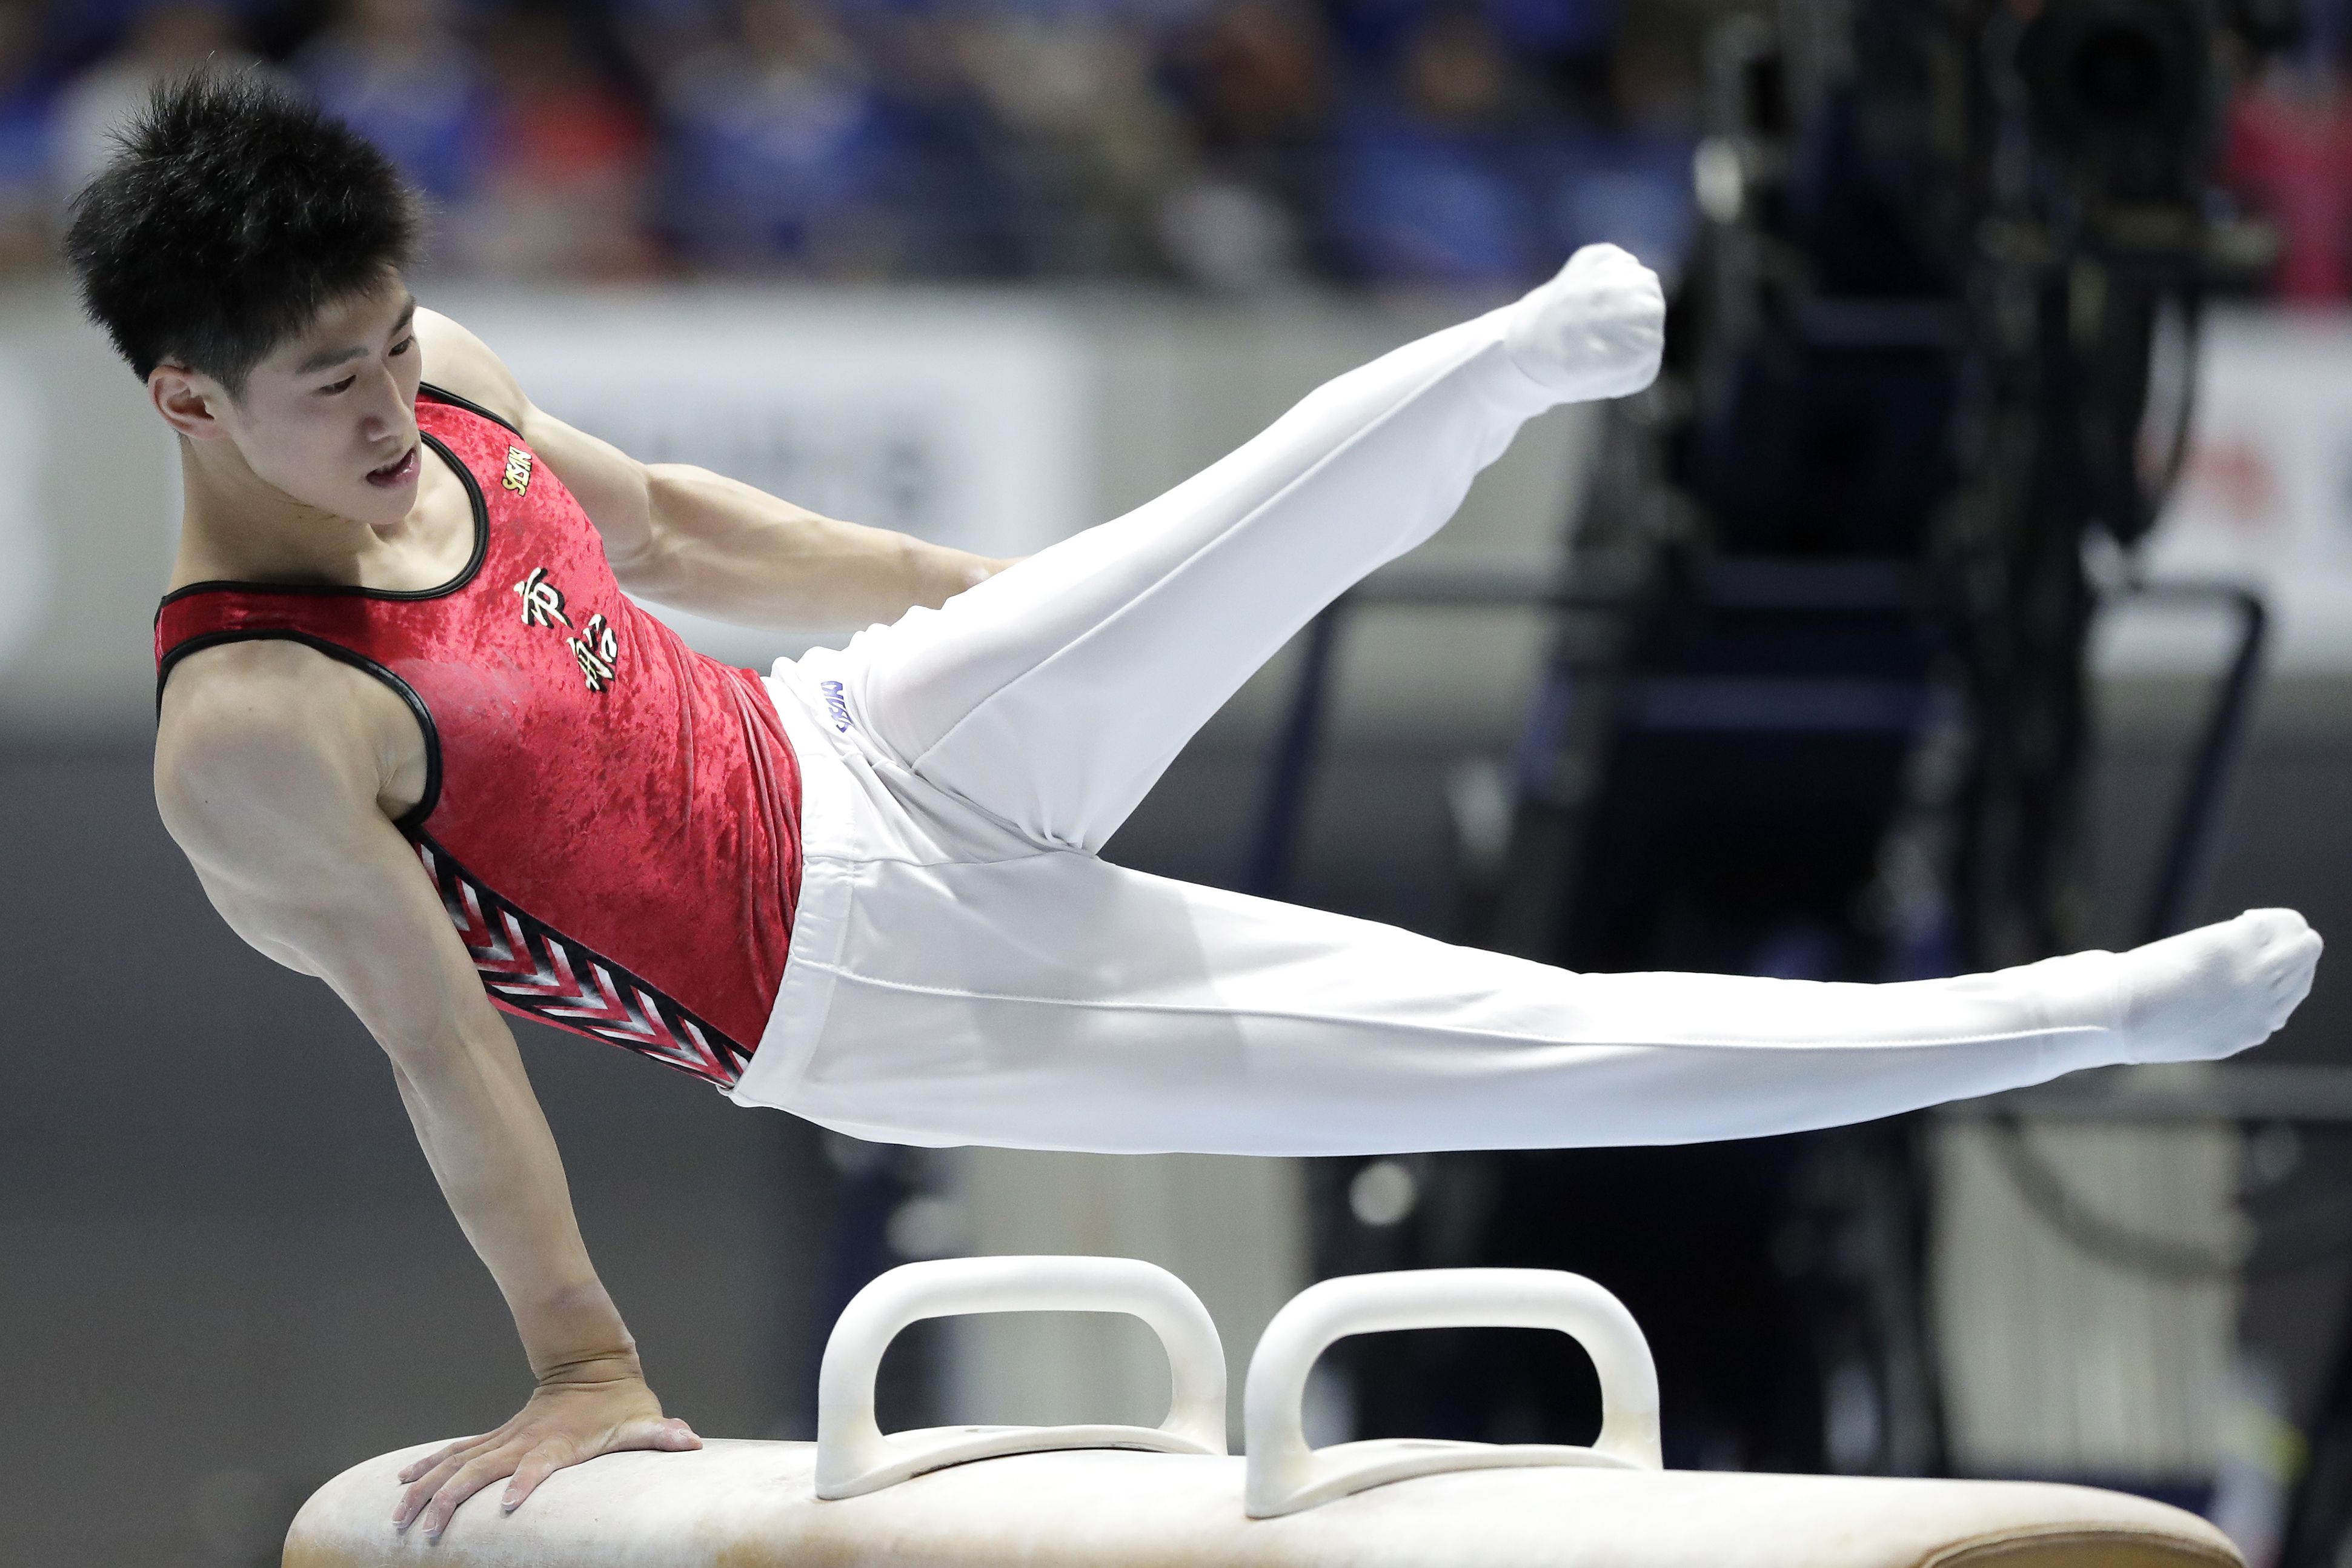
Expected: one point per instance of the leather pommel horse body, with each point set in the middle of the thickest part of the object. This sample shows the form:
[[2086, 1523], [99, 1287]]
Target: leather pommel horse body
[[1168, 1496]]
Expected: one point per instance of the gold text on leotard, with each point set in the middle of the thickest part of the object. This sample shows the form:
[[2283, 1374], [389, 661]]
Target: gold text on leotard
[[597, 645], [542, 601]]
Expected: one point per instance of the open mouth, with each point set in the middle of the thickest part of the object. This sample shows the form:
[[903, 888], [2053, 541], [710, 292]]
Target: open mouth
[[397, 472]]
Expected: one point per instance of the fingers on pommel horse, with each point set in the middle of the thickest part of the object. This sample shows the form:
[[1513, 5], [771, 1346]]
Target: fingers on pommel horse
[[1171, 1497]]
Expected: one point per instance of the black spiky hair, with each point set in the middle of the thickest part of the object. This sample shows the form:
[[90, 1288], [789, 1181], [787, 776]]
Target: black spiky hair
[[233, 212]]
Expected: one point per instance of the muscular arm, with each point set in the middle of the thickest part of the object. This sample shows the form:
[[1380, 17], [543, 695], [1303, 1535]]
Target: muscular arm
[[269, 777], [684, 536]]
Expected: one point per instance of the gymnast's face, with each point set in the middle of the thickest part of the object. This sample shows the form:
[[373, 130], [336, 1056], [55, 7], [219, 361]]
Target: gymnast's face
[[328, 418]]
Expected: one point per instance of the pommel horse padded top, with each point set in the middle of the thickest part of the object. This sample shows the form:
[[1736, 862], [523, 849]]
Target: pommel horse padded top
[[1167, 1497], [753, 1505]]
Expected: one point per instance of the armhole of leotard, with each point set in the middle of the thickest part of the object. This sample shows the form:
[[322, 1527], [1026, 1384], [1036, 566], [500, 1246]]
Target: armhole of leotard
[[443, 395], [410, 821]]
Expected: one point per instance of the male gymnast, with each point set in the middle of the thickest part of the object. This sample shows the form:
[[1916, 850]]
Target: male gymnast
[[422, 745]]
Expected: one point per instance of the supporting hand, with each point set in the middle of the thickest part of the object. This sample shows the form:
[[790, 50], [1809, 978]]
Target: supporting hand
[[574, 1416], [1597, 329]]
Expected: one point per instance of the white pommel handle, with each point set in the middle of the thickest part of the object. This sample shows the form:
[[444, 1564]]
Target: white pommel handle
[[1285, 1475], [852, 1456]]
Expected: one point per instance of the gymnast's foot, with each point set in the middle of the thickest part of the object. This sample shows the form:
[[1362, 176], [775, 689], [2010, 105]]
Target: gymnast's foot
[[1595, 330], [2211, 993]]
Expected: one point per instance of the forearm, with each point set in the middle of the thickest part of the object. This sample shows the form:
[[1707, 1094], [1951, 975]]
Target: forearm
[[723, 549], [491, 1151]]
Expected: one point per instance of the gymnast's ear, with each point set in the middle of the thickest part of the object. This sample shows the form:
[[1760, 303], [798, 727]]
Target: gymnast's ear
[[188, 400]]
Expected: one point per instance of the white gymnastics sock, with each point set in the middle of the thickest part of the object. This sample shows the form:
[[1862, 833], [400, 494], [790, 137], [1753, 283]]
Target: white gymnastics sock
[[1595, 330], [2213, 992]]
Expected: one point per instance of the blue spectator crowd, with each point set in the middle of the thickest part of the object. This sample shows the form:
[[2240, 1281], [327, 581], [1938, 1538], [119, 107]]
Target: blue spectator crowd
[[1235, 145]]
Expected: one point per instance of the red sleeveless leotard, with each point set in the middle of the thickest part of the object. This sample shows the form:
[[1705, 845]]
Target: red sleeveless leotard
[[612, 819]]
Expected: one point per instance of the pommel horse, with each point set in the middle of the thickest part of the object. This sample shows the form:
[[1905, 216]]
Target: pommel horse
[[1169, 1497]]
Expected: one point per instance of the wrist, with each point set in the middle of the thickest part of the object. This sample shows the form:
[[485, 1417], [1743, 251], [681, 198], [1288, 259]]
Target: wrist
[[590, 1368], [575, 1335], [944, 573]]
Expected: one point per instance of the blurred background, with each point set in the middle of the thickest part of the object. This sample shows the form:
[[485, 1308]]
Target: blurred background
[[1977, 584]]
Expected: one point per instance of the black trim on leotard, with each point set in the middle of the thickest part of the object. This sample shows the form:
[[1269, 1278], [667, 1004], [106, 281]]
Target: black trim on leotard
[[466, 574], [443, 395]]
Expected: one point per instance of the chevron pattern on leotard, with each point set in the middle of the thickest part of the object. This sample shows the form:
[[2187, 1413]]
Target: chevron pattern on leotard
[[553, 978]]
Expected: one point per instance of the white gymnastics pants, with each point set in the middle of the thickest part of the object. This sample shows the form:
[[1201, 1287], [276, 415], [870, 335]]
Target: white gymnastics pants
[[964, 970]]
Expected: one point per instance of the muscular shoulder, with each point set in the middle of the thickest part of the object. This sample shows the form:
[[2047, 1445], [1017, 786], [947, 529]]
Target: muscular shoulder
[[613, 487], [456, 361], [256, 739], [268, 776]]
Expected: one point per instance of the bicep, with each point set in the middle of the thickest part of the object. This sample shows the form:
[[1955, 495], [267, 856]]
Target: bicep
[[374, 929], [613, 489]]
